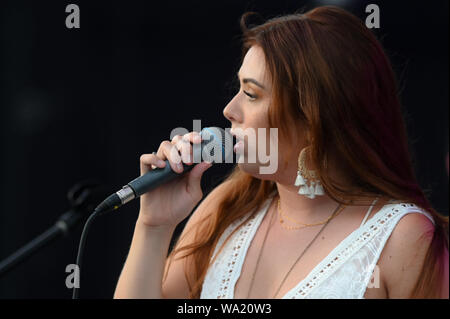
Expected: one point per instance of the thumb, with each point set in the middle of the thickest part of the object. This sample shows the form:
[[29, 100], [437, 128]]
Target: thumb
[[196, 174]]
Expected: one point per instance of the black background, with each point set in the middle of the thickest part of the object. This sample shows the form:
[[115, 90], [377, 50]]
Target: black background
[[86, 103]]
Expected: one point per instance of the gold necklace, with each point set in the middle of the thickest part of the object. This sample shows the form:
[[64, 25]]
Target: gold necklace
[[296, 261], [303, 225]]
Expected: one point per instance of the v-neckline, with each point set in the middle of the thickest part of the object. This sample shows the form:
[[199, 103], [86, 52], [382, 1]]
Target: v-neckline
[[324, 261]]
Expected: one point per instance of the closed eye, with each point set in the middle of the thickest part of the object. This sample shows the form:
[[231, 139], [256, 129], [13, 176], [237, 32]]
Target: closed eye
[[250, 95], [235, 84]]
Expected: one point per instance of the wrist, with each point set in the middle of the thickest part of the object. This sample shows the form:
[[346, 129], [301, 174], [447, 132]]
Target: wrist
[[157, 228]]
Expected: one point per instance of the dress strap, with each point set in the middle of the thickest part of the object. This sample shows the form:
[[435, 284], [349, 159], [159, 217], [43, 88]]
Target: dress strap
[[368, 212]]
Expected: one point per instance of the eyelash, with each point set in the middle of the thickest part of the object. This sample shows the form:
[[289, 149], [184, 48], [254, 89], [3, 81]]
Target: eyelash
[[236, 85], [252, 97]]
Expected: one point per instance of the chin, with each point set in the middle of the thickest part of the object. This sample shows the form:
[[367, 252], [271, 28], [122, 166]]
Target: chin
[[254, 170]]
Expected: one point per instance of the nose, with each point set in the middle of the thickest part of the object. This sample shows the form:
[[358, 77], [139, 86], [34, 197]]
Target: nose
[[232, 111]]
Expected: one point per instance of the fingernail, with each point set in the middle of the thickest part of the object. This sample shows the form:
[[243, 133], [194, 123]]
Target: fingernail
[[180, 167]]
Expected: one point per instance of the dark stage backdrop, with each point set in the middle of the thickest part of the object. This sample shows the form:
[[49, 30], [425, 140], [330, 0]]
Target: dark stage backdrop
[[86, 103]]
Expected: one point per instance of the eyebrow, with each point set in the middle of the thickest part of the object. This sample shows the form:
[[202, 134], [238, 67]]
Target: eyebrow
[[246, 80]]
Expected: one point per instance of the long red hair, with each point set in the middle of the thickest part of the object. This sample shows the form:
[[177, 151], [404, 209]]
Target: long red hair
[[331, 78]]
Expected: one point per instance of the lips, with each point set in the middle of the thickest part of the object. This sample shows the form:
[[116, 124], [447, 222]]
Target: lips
[[238, 147]]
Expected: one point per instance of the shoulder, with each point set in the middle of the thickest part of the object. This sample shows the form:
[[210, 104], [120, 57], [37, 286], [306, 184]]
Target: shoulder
[[404, 252], [414, 224]]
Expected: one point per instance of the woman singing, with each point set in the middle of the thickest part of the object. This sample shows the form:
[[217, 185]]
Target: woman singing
[[343, 216]]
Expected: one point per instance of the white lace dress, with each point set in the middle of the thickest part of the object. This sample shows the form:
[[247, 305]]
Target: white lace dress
[[345, 273]]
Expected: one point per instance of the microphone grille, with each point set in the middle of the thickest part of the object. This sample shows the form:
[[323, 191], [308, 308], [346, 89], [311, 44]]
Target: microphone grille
[[219, 139]]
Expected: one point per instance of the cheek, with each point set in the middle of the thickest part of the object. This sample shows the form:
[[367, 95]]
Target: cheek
[[256, 117], [259, 145], [261, 122], [261, 157]]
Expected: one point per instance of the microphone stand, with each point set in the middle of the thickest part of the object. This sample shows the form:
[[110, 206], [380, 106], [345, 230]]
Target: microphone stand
[[83, 198]]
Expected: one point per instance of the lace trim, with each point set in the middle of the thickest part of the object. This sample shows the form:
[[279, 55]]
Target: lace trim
[[240, 246], [232, 257], [345, 249]]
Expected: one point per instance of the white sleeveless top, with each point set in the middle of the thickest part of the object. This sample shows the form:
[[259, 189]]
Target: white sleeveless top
[[344, 274]]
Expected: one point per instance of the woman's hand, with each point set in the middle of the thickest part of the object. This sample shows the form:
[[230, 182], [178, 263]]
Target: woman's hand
[[170, 203]]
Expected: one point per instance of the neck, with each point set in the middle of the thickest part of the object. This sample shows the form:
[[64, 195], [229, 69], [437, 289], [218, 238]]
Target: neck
[[304, 209]]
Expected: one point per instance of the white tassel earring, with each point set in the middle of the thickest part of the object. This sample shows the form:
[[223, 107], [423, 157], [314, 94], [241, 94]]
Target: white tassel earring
[[304, 175]]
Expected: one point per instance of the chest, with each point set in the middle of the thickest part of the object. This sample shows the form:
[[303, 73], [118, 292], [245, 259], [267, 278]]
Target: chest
[[290, 256]]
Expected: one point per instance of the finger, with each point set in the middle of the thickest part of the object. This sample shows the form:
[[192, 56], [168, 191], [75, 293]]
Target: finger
[[158, 160], [148, 161], [160, 153], [193, 137], [185, 148], [176, 138], [170, 152]]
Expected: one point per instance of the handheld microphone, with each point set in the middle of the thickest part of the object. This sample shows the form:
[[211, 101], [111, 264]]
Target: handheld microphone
[[216, 146]]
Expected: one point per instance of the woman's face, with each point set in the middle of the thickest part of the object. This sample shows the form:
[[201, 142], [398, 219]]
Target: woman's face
[[248, 111]]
